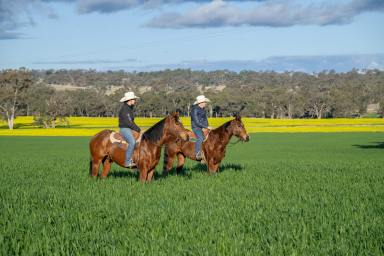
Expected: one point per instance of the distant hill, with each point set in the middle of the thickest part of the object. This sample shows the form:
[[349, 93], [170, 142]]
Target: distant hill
[[308, 64]]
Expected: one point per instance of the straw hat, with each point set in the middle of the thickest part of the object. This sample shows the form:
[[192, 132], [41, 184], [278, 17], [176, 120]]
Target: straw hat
[[200, 99], [129, 96]]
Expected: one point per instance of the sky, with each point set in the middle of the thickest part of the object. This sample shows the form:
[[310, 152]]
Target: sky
[[155, 34]]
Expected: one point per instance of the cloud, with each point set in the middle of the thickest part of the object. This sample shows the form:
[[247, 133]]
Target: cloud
[[272, 13], [16, 14], [75, 62], [109, 6], [103, 6]]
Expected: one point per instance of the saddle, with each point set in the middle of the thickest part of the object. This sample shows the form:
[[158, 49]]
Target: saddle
[[193, 137], [116, 137]]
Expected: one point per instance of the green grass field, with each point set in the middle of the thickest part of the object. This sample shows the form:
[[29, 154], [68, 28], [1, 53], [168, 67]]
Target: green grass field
[[280, 194]]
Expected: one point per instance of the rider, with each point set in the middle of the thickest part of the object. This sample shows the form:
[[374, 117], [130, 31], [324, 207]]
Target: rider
[[127, 124], [199, 123]]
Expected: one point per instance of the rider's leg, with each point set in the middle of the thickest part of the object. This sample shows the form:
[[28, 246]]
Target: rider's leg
[[127, 134], [199, 141]]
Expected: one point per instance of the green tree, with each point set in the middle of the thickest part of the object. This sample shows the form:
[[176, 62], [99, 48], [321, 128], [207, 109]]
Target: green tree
[[13, 84]]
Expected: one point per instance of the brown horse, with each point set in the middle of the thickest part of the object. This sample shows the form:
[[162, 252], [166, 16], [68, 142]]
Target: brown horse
[[213, 147], [105, 150]]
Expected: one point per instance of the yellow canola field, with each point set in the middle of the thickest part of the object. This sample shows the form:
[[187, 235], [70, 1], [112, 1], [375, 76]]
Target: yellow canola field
[[88, 126]]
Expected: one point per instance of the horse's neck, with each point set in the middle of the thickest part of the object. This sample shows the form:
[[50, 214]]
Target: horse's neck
[[224, 135], [149, 147]]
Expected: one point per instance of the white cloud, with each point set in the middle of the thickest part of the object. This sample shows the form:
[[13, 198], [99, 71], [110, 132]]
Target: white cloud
[[271, 13]]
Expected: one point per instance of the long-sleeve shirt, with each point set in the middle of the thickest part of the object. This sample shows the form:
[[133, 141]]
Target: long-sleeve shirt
[[198, 117], [127, 117]]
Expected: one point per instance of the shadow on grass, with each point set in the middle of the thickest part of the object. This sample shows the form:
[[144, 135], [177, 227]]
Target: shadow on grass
[[203, 168], [185, 173], [223, 167], [131, 174], [124, 174], [374, 145]]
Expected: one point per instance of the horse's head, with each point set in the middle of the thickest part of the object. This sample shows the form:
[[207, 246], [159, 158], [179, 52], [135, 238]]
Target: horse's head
[[175, 128], [238, 129]]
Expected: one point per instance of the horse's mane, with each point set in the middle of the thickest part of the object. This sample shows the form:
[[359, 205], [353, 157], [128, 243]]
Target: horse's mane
[[154, 133], [225, 126]]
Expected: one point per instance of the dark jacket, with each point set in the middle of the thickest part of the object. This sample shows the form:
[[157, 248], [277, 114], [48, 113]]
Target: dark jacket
[[127, 117], [198, 117]]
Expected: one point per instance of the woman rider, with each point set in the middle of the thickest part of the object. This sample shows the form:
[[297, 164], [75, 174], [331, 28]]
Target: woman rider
[[127, 124], [199, 123]]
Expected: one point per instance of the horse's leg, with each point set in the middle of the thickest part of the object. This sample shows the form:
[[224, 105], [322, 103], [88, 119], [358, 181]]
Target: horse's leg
[[215, 168], [212, 166], [168, 162], [180, 163], [106, 168], [150, 174], [143, 174], [95, 163]]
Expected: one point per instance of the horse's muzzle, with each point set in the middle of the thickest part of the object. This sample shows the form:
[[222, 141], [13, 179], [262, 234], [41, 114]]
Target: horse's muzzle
[[246, 139]]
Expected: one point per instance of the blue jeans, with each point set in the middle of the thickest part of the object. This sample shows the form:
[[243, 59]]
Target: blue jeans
[[127, 135], [199, 140]]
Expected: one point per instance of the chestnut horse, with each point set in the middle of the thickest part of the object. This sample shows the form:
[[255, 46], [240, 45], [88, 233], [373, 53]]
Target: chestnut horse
[[213, 147], [147, 152]]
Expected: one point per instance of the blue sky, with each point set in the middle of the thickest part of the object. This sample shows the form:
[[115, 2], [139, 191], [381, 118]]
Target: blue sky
[[129, 34]]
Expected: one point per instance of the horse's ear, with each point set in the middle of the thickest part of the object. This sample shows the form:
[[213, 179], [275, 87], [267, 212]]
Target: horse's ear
[[175, 114], [236, 115]]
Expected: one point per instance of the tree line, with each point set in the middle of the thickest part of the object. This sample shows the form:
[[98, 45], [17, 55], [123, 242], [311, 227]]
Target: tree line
[[53, 94]]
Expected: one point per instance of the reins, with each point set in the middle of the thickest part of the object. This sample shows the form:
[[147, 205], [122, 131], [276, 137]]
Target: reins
[[234, 143]]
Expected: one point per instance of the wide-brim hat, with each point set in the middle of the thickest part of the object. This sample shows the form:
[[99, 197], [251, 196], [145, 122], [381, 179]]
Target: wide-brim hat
[[201, 99], [129, 96]]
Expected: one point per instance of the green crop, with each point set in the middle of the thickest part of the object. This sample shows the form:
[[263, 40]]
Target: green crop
[[279, 194]]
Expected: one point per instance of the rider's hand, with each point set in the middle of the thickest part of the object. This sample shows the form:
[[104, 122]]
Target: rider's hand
[[210, 128]]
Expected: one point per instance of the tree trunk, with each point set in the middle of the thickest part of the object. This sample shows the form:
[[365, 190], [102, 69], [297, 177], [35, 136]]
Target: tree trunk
[[53, 122], [290, 111], [11, 117], [317, 110], [11, 121]]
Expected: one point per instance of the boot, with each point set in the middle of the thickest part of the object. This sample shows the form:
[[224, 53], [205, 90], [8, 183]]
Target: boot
[[198, 156], [130, 164]]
